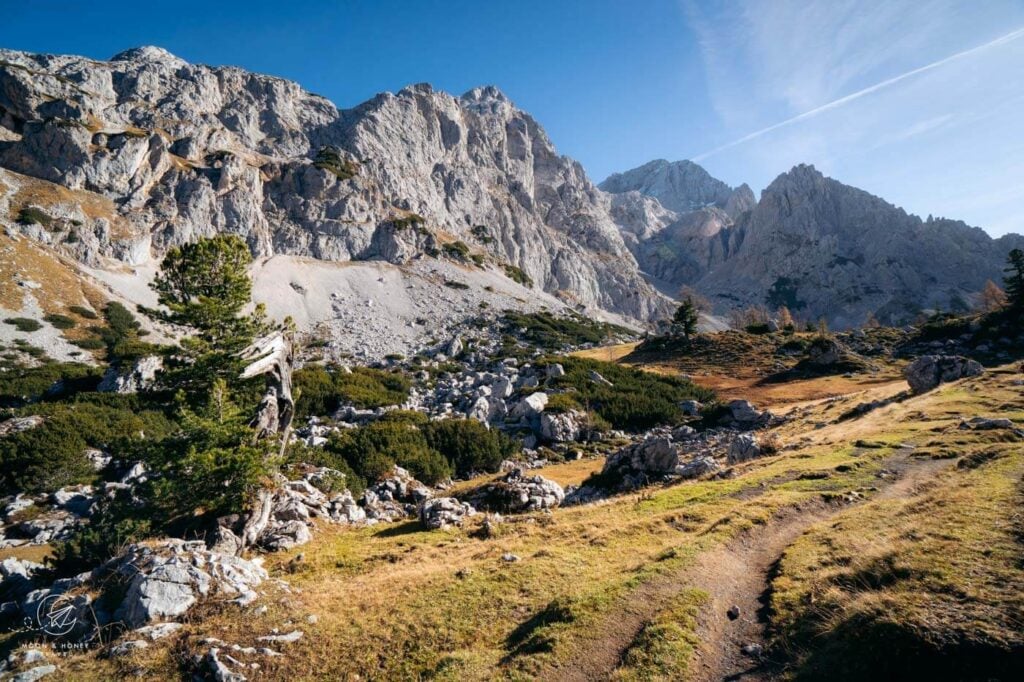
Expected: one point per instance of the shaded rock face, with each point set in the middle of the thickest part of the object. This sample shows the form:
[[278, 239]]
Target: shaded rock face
[[185, 151], [815, 245], [928, 371]]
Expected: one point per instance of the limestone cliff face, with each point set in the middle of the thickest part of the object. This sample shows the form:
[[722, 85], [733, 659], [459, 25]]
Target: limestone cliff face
[[822, 248], [183, 150]]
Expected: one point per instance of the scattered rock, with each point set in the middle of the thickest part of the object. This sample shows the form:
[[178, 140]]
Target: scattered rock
[[517, 492], [733, 613], [744, 448], [928, 371], [442, 512]]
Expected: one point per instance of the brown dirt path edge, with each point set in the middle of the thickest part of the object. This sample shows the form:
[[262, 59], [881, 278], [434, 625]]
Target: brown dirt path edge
[[736, 573]]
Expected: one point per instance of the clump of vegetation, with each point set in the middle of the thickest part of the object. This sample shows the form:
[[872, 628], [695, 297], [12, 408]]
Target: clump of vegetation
[[322, 390], [24, 324], [685, 318], [635, 399], [1014, 280], [373, 450], [123, 334], [518, 275], [430, 451], [550, 332], [469, 446], [52, 455], [89, 343], [332, 160], [31, 215], [455, 284], [457, 250], [408, 221], [84, 312], [482, 234], [60, 321], [20, 385]]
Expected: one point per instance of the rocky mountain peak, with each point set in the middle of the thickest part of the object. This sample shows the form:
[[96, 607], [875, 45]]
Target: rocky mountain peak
[[150, 54], [680, 186]]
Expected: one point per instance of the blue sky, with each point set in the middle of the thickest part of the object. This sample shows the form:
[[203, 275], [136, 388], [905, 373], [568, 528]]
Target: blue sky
[[920, 102]]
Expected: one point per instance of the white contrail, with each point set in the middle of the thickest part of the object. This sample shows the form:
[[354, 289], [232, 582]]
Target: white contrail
[[861, 93]]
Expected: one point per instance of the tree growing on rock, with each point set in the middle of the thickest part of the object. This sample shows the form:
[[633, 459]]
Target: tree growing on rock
[[1014, 279], [685, 317]]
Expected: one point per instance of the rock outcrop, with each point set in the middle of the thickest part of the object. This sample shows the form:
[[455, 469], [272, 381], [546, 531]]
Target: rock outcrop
[[928, 371], [173, 151]]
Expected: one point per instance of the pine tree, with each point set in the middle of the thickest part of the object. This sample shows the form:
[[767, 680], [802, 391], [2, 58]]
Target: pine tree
[[1014, 279], [686, 317], [205, 287]]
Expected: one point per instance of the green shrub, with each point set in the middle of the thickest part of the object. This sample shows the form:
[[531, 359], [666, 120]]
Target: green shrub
[[372, 450], [331, 160], [322, 390], [453, 284], [89, 343], [24, 324], [758, 328], [82, 311], [458, 250], [482, 234], [636, 399], [60, 321], [469, 446], [115, 524], [19, 385], [560, 403], [30, 215], [123, 334], [547, 331], [52, 455], [518, 275], [410, 220], [299, 453]]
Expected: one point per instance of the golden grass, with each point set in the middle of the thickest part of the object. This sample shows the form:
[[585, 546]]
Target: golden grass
[[395, 602]]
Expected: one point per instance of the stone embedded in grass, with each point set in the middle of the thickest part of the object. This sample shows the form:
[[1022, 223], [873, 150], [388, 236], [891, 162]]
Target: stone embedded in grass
[[444, 512], [928, 371], [743, 448]]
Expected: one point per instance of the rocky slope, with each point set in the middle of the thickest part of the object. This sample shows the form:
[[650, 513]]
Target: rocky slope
[[172, 151], [822, 248]]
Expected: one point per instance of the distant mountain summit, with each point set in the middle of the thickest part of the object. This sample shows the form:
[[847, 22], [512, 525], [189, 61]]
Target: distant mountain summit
[[813, 244], [681, 186]]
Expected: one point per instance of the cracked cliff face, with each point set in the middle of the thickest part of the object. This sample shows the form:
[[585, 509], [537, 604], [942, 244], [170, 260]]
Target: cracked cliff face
[[185, 151]]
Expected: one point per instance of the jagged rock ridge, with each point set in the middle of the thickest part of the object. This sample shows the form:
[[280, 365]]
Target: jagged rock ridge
[[185, 151], [813, 244]]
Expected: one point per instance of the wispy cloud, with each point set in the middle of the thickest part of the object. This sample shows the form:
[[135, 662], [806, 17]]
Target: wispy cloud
[[917, 101], [864, 92]]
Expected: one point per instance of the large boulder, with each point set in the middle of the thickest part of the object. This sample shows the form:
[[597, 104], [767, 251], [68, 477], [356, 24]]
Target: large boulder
[[928, 371], [743, 448], [131, 378], [743, 415], [563, 427], [398, 496], [529, 407], [656, 458], [518, 492], [443, 512], [166, 579]]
